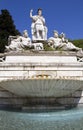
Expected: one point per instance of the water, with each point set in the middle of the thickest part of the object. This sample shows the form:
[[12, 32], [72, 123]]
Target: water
[[58, 120]]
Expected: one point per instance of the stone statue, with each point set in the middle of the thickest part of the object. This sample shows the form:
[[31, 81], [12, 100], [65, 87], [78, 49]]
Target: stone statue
[[68, 45], [19, 42], [55, 41], [38, 28], [39, 34], [38, 46], [60, 42]]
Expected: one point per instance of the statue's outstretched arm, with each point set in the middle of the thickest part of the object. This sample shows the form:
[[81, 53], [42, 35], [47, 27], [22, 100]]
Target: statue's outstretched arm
[[31, 13]]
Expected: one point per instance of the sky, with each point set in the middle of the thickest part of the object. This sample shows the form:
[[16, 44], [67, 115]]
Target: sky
[[61, 15]]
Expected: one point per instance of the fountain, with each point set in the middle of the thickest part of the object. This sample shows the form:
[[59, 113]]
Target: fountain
[[32, 78]]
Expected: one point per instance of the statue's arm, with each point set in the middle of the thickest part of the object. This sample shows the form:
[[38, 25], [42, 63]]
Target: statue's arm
[[34, 18], [31, 16], [51, 40], [64, 40], [43, 20]]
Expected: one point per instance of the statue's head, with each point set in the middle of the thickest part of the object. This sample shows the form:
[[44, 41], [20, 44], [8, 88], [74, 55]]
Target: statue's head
[[25, 33], [39, 11], [62, 35], [56, 34]]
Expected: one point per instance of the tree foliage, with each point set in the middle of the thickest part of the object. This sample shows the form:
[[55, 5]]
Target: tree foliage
[[7, 28], [78, 43]]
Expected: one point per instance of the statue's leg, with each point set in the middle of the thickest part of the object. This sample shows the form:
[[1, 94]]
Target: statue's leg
[[43, 34], [37, 33]]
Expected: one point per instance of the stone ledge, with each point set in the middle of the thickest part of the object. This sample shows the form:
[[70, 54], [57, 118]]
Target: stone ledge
[[41, 53]]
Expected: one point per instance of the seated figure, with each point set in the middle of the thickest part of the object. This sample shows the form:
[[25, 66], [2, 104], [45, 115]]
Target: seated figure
[[38, 28], [18, 42]]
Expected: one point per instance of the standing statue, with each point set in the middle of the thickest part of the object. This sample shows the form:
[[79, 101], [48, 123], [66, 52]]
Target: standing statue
[[38, 28], [19, 42]]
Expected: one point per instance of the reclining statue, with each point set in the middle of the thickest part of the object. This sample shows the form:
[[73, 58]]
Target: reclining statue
[[38, 28], [60, 42], [19, 42], [68, 45], [55, 41]]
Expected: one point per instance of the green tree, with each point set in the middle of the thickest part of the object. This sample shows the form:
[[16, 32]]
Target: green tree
[[7, 28], [78, 43]]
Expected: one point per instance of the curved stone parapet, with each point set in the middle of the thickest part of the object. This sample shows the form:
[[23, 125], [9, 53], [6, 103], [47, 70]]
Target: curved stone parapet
[[42, 87]]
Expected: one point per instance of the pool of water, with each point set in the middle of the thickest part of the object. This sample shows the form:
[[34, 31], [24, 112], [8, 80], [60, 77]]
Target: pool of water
[[54, 120]]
